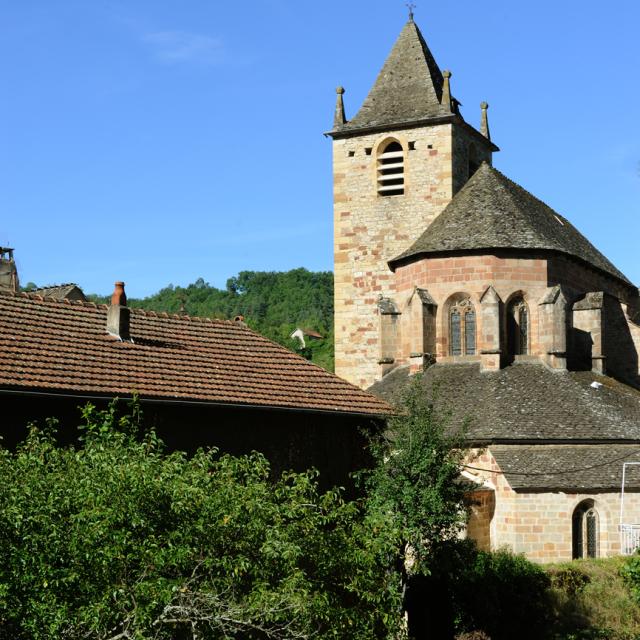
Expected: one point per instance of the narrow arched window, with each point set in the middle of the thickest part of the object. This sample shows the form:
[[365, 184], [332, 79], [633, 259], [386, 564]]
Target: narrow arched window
[[462, 328], [391, 169], [517, 327], [586, 534]]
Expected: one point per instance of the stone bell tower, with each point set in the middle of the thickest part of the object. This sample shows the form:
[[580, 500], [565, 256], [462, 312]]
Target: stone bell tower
[[396, 165]]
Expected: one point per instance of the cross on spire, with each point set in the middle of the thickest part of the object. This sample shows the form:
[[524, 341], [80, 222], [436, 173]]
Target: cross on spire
[[411, 7]]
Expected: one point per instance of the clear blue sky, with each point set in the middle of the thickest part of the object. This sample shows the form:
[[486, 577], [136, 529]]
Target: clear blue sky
[[158, 142]]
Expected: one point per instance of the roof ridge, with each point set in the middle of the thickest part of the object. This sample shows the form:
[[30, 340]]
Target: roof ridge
[[56, 286], [32, 295], [152, 313]]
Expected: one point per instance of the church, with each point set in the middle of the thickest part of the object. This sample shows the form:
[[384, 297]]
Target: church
[[519, 326]]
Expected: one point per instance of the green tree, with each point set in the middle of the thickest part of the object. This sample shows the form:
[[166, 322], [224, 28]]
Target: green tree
[[416, 479], [116, 538]]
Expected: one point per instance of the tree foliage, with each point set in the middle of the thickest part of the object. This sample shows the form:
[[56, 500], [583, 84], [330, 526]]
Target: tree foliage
[[117, 538], [273, 303]]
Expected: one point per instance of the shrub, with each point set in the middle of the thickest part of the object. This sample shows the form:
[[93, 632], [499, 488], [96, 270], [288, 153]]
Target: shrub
[[630, 571], [501, 594]]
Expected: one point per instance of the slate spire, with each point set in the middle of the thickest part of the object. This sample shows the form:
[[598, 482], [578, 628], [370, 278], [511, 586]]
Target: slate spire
[[407, 89]]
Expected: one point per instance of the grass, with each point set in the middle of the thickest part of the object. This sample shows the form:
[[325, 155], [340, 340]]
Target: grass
[[591, 601]]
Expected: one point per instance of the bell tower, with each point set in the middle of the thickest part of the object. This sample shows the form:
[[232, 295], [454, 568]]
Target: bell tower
[[396, 164]]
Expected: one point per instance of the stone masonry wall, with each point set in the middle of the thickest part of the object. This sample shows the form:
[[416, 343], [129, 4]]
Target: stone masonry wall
[[369, 230], [620, 331], [539, 524], [510, 274], [470, 275]]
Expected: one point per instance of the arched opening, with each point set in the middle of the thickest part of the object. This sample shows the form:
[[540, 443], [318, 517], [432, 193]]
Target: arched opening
[[585, 531], [462, 328], [517, 327], [391, 169]]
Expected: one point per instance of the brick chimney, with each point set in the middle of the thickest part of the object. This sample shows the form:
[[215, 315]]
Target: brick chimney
[[118, 315], [8, 271]]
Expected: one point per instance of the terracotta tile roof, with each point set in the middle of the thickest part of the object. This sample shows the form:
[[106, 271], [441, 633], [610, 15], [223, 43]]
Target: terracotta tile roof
[[63, 347], [493, 212]]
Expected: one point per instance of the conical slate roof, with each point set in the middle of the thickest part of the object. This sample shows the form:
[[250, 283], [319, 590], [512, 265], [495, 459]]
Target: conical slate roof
[[493, 212], [408, 87]]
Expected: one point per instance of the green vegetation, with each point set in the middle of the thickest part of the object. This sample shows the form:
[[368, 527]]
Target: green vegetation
[[591, 599], [272, 303], [117, 538]]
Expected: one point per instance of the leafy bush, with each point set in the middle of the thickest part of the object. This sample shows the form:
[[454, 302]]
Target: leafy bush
[[117, 538], [499, 593], [630, 571], [569, 579]]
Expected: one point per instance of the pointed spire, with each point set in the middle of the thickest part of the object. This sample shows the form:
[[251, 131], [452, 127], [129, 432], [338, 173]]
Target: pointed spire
[[408, 88], [339, 117], [446, 91], [484, 121]]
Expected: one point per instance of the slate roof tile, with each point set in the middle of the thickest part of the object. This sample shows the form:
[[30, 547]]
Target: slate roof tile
[[493, 212], [547, 430], [63, 347], [407, 89], [526, 403], [568, 467]]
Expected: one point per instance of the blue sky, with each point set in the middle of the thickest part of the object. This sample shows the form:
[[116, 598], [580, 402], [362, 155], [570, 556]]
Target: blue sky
[[158, 142]]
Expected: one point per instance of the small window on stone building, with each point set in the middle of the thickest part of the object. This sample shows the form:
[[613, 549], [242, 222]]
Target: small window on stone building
[[474, 162], [390, 167], [517, 327], [462, 329], [586, 534]]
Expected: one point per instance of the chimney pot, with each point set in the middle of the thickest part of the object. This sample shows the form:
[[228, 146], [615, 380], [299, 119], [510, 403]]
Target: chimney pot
[[119, 296]]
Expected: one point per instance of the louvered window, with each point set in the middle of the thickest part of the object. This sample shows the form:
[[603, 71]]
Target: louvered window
[[462, 329], [391, 170]]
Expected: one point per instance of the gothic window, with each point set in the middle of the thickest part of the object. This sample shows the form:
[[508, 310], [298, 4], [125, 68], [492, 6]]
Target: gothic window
[[586, 532], [517, 327], [462, 328], [391, 169]]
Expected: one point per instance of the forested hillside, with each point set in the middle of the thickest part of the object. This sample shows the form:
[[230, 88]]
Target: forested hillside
[[273, 303]]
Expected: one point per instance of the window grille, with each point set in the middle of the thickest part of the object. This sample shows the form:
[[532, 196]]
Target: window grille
[[391, 170], [462, 329], [470, 332], [456, 333]]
